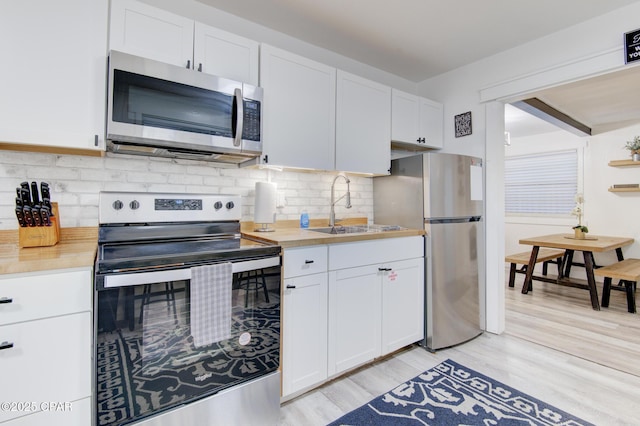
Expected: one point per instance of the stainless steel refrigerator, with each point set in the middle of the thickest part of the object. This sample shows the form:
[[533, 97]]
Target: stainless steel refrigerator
[[443, 193]]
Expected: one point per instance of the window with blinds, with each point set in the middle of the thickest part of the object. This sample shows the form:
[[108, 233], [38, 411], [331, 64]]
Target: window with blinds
[[544, 183]]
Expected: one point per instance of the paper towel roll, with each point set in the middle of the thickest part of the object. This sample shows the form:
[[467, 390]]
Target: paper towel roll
[[265, 209]]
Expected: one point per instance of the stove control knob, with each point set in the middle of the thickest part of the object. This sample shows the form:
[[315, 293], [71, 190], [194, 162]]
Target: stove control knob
[[230, 205], [118, 205], [134, 205], [217, 205]]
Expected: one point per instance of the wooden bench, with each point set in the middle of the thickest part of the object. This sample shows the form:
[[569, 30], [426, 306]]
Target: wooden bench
[[628, 272], [545, 255]]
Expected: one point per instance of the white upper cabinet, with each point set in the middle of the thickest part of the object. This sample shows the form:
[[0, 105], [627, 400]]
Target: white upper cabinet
[[415, 120], [299, 110], [431, 122], [226, 55], [363, 125], [143, 30], [52, 77]]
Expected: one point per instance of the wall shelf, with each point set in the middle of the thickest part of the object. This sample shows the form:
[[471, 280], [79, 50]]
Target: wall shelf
[[624, 163]]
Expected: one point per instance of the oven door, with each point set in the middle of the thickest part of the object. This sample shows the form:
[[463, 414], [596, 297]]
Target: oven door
[[151, 354]]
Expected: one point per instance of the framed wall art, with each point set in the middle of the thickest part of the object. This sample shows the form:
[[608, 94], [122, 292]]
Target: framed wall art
[[463, 124]]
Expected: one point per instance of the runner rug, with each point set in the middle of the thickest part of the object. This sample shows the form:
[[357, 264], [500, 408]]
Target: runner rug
[[452, 394]]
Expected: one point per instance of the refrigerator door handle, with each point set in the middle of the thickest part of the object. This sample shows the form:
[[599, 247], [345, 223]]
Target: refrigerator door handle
[[465, 219]]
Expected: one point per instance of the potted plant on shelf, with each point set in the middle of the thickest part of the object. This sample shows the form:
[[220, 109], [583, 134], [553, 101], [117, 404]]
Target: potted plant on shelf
[[634, 147], [579, 230]]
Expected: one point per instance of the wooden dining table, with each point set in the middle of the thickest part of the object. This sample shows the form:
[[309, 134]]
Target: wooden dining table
[[589, 245]]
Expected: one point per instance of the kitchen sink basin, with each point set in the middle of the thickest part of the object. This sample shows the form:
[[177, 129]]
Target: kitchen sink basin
[[356, 229]]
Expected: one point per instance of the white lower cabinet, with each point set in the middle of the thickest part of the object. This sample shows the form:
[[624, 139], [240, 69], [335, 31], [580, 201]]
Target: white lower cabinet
[[347, 304], [304, 339], [354, 317], [376, 299], [46, 348], [304, 318], [402, 304]]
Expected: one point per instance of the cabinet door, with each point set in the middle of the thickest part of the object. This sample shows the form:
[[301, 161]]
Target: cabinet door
[[299, 110], [304, 337], [363, 125], [405, 117], [50, 361], [354, 317], [402, 304], [225, 55], [431, 114], [143, 30], [52, 77]]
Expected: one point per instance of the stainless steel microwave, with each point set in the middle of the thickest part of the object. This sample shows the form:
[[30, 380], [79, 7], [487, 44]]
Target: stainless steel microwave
[[159, 109]]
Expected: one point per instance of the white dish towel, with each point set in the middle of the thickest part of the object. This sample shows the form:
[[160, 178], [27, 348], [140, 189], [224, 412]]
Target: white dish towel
[[211, 303]]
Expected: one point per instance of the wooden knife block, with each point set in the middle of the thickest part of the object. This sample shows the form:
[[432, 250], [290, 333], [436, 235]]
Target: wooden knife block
[[41, 236]]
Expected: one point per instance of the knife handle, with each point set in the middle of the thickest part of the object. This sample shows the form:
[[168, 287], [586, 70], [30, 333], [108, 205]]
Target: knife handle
[[28, 216], [34, 193], [44, 190], [46, 203], [37, 220], [45, 215], [20, 216], [26, 198]]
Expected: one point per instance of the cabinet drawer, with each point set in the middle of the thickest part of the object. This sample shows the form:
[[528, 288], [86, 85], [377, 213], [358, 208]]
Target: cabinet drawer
[[305, 261], [360, 253], [50, 361], [34, 296]]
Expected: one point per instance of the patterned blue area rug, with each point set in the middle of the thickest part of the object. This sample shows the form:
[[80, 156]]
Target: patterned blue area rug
[[452, 394]]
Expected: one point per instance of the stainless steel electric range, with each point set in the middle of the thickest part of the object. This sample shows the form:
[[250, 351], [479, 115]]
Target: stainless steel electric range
[[187, 313]]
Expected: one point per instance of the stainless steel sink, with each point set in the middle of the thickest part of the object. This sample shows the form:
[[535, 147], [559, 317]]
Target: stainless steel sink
[[356, 229]]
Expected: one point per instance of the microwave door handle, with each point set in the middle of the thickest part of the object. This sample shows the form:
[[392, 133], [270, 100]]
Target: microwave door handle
[[237, 100]]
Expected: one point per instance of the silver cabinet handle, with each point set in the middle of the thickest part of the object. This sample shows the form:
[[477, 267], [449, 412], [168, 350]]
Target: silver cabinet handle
[[188, 63], [200, 67], [5, 345], [4, 300]]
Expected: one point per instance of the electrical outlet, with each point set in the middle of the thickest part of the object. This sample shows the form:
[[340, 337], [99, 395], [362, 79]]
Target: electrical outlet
[[281, 200]]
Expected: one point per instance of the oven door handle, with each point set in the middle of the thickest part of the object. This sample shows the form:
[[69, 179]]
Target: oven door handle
[[124, 280]]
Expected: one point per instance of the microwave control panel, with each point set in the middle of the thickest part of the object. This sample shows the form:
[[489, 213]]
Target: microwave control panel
[[251, 120]]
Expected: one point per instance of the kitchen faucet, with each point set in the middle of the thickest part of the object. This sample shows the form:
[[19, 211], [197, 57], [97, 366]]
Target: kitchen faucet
[[332, 215]]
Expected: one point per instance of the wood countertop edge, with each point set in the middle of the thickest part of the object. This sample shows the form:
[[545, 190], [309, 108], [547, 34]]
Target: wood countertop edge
[[304, 237]]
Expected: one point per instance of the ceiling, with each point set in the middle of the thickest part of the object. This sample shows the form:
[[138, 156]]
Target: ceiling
[[418, 39]]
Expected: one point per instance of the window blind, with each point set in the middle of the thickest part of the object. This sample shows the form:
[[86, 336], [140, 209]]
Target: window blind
[[544, 183]]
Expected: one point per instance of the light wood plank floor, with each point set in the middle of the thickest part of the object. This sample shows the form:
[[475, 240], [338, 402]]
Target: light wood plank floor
[[556, 348]]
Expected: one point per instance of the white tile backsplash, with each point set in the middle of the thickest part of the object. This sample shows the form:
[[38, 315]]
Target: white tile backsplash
[[77, 180]]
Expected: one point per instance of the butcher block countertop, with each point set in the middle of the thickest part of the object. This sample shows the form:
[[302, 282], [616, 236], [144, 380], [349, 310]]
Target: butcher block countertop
[[288, 233], [77, 248]]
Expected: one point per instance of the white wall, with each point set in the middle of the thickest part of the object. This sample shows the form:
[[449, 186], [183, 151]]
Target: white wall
[[77, 180], [584, 50]]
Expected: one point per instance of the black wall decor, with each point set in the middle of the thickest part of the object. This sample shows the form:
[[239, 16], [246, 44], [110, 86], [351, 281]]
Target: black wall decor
[[632, 46], [463, 124]]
